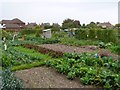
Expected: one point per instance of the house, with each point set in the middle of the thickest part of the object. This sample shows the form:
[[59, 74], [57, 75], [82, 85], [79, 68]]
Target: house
[[31, 25], [47, 33], [106, 25], [14, 24], [45, 25], [55, 25]]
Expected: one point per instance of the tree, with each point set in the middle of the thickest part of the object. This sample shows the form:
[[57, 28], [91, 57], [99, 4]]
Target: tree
[[97, 23], [83, 26], [69, 23], [55, 27], [37, 27], [117, 25], [93, 25], [38, 30], [77, 23], [46, 25]]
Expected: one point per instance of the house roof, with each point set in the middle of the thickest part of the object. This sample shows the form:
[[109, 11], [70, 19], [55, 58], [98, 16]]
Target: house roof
[[31, 25], [6, 21], [46, 24], [12, 26], [108, 24], [14, 21]]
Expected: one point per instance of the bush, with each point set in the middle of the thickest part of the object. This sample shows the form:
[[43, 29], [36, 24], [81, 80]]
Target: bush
[[37, 33], [81, 34], [28, 31], [92, 34]]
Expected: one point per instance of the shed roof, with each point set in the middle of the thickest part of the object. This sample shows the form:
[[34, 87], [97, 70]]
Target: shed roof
[[46, 30]]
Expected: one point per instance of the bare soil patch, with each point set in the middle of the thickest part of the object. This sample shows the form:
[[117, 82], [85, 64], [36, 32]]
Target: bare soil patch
[[46, 77], [81, 49]]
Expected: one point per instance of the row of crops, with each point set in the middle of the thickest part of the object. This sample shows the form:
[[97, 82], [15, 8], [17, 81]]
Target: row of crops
[[16, 56]]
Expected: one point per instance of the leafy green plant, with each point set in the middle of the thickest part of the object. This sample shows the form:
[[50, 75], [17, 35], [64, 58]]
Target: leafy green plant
[[9, 81], [101, 45], [18, 55], [71, 75], [51, 41], [115, 49], [5, 60]]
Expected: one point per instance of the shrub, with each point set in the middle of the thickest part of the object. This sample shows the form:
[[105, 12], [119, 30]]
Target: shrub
[[92, 34], [37, 34], [28, 31], [81, 34]]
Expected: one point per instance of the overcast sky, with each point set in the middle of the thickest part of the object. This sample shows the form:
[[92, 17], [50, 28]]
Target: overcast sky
[[57, 10]]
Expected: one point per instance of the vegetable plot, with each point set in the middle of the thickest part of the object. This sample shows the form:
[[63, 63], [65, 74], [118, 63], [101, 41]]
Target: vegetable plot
[[15, 56], [91, 71]]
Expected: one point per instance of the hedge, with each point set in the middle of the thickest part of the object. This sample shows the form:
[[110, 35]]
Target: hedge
[[105, 35], [28, 31]]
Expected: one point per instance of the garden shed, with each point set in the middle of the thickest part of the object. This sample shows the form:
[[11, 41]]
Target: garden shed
[[47, 33]]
